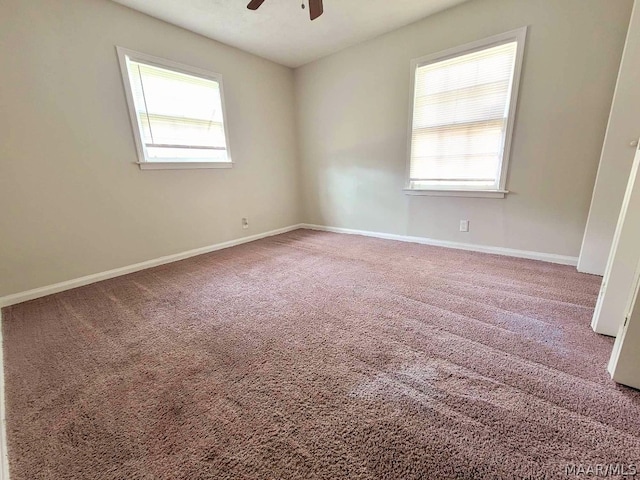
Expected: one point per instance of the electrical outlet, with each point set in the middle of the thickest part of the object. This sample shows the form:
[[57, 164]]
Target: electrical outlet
[[245, 223], [464, 225]]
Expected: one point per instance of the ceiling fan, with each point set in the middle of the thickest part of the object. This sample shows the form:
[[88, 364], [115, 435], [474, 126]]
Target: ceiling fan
[[315, 7]]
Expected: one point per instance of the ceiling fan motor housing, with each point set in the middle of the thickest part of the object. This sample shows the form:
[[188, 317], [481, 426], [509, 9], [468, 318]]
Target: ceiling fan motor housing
[[315, 7]]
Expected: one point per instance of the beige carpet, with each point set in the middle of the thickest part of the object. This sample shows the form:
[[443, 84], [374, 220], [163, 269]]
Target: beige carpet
[[317, 356]]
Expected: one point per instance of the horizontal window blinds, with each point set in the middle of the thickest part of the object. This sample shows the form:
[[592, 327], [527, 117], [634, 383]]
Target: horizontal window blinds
[[460, 115], [180, 115]]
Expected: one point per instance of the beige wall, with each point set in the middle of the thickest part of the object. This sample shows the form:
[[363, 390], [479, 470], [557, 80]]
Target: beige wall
[[352, 120], [617, 156], [72, 202]]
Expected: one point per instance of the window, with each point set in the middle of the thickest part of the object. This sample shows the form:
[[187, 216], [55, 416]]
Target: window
[[177, 113], [464, 103]]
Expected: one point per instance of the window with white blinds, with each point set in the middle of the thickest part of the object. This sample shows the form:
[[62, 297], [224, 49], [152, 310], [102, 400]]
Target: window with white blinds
[[178, 111], [463, 107]]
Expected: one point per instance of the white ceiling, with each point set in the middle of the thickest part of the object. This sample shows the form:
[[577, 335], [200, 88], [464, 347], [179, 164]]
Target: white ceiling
[[281, 31]]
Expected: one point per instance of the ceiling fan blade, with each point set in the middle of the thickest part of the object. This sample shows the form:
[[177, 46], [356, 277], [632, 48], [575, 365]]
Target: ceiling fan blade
[[315, 9], [254, 4]]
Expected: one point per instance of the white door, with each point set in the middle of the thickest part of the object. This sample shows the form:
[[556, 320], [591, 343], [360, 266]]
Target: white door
[[624, 365], [620, 273]]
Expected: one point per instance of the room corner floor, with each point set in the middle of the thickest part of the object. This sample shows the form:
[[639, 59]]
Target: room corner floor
[[315, 355]]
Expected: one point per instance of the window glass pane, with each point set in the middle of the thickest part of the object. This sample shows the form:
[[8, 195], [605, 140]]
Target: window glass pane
[[180, 115], [460, 119], [186, 154]]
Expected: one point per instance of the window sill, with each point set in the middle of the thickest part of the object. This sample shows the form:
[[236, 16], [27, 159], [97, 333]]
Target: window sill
[[182, 165], [457, 193]]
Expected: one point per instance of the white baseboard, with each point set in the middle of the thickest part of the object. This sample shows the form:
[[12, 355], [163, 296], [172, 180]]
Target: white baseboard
[[509, 252], [116, 272], [96, 277]]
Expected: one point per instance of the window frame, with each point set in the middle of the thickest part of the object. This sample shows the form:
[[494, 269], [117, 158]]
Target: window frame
[[143, 161], [518, 35]]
